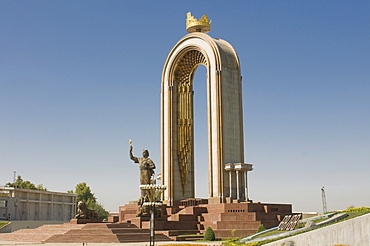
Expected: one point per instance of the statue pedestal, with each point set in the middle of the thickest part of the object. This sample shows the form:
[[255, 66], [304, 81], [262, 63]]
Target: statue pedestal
[[144, 223], [84, 221]]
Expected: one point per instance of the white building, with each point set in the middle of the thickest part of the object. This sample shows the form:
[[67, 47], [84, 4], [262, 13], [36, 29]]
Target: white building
[[36, 205]]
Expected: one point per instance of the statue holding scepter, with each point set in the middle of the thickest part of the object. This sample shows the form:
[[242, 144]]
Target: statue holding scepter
[[146, 165]]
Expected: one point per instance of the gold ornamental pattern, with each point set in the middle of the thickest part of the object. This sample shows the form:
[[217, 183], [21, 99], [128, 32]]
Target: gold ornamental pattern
[[184, 74]]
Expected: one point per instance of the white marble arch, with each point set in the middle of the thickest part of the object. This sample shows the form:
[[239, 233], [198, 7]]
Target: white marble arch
[[225, 118]]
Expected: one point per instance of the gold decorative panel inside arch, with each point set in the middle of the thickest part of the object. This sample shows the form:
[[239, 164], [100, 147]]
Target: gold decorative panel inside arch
[[184, 77]]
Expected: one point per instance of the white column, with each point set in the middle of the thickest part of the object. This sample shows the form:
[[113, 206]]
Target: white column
[[237, 185], [243, 168], [246, 185], [229, 167], [230, 183]]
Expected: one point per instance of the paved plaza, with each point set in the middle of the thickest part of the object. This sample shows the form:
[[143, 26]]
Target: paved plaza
[[110, 244]]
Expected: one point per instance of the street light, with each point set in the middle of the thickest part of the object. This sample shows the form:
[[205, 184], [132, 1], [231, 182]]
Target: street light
[[153, 194]]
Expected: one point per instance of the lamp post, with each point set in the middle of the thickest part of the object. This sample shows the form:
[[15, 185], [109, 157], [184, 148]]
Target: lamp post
[[153, 194]]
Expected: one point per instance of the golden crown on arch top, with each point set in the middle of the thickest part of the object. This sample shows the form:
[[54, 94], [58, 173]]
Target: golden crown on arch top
[[193, 25]]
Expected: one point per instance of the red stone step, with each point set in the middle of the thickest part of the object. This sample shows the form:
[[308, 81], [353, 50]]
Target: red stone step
[[83, 238], [172, 233], [77, 233]]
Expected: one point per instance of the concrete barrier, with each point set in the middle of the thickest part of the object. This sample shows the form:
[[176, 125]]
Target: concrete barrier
[[350, 232], [6, 228]]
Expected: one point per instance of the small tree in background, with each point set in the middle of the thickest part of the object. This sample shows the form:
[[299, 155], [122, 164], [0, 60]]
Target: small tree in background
[[209, 235], [85, 195], [261, 228], [102, 213], [25, 184]]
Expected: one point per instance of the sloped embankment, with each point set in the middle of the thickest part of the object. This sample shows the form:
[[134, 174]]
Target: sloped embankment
[[349, 232]]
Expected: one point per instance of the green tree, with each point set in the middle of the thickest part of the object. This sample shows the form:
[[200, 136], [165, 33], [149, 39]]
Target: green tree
[[103, 214], [85, 194], [20, 183]]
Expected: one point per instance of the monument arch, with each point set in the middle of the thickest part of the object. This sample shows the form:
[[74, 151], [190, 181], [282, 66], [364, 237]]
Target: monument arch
[[224, 113]]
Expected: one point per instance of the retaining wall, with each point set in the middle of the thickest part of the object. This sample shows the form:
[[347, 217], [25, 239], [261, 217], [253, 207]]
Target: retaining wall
[[350, 232]]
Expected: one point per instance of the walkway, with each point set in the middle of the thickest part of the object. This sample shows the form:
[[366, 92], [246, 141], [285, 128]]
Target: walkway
[[110, 244]]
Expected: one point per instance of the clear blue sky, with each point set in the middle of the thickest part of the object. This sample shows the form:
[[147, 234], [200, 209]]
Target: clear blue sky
[[80, 78]]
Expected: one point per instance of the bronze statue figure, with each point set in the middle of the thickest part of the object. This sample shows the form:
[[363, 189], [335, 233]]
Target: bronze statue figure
[[146, 166]]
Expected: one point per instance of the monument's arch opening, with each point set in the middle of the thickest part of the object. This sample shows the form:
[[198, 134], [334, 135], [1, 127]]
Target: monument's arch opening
[[200, 132], [226, 168]]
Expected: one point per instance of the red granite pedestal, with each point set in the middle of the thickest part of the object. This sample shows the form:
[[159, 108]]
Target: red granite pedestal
[[232, 219]]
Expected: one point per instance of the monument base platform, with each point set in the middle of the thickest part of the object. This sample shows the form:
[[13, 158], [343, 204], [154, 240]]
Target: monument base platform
[[235, 219], [84, 221]]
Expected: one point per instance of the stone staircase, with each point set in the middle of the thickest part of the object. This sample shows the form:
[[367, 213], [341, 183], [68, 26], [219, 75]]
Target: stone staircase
[[229, 220], [39, 234], [131, 233], [83, 233], [226, 219]]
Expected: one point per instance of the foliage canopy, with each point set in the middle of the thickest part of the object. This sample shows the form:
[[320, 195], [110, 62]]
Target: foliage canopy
[[25, 184], [85, 194]]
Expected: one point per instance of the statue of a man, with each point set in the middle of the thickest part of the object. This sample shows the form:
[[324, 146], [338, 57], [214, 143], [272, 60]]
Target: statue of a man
[[146, 166]]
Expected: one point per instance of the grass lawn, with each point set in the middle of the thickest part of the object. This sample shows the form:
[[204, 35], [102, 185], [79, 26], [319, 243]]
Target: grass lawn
[[269, 233], [355, 212], [3, 223]]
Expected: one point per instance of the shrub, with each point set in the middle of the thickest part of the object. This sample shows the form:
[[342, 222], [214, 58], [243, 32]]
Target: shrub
[[209, 235], [261, 228]]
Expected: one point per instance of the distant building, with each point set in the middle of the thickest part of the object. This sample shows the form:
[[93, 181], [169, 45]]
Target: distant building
[[36, 205], [114, 217]]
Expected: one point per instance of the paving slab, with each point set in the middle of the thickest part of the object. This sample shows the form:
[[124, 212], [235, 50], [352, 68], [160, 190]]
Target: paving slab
[[2, 243]]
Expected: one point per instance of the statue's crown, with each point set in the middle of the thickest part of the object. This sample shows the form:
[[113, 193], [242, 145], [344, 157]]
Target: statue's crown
[[193, 25]]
